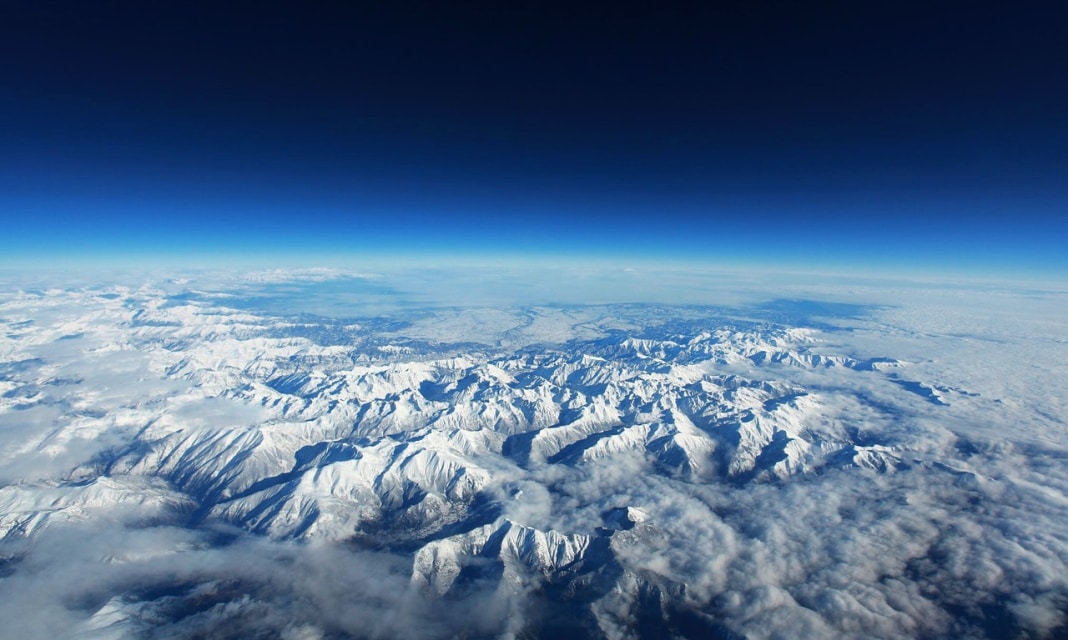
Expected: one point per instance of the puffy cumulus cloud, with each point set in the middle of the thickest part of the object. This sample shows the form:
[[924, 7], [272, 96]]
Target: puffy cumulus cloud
[[90, 580], [932, 550], [912, 554]]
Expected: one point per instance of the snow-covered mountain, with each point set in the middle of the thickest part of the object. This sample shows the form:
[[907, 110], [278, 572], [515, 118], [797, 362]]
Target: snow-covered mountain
[[608, 478], [411, 442]]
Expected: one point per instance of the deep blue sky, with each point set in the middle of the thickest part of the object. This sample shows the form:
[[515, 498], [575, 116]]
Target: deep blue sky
[[869, 133]]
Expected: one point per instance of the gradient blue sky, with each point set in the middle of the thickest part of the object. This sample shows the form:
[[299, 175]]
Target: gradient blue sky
[[924, 136]]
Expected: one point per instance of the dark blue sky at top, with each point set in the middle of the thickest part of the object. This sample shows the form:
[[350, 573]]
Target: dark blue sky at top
[[839, 133]]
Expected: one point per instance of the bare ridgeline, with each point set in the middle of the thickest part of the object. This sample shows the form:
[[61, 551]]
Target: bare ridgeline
[[177, 463]]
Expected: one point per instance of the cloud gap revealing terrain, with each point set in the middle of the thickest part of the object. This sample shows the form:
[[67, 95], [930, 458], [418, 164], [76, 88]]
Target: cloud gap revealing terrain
[[565, 452]]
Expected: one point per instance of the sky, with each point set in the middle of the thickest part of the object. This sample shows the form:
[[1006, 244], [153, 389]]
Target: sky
[[929, 136]]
